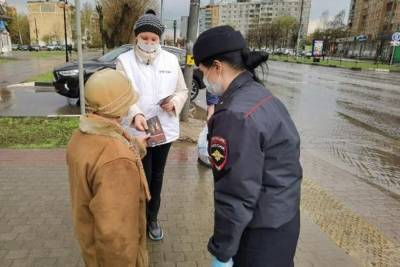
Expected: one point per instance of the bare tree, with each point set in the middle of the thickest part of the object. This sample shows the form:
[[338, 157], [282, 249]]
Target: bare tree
[[118, 19], [273, 34], [338, 20], [18, 27], [287, 27], [270, 34], [86, 21], [335, 29], [254, 37]]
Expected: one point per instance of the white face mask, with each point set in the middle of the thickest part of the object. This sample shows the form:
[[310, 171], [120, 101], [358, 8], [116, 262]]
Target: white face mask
[[213, 88], [148, 48]]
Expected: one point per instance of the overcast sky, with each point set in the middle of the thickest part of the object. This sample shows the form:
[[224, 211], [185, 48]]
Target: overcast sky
[[174, 9]]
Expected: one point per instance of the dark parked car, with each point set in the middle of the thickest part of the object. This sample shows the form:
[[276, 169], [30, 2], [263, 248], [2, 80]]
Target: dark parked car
[[67, 81], [34, 48]]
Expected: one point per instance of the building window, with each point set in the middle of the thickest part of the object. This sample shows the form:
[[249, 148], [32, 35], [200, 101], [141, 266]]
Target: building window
[[48, 8]]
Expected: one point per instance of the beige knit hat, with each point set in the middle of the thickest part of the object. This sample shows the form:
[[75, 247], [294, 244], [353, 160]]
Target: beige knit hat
[[109, 93]]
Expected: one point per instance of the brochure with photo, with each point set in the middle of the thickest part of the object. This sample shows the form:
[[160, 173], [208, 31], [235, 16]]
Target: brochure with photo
[[156, 132], [165, 100]]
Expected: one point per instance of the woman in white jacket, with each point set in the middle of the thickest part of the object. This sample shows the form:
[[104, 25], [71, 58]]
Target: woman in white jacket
[[157, 76]]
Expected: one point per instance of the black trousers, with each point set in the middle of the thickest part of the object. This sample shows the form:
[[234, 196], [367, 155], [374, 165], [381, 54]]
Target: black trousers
[[269, 247], [154, 165]]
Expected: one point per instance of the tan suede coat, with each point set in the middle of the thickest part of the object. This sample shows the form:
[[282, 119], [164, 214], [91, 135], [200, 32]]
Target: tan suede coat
[[108, 192]]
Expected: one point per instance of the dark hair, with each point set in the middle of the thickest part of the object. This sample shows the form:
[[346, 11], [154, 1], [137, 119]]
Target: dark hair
[[241, 60]]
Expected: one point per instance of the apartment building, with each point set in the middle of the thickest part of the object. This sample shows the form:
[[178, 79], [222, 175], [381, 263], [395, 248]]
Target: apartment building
[[46, 21], [245, 15], [377, 20]]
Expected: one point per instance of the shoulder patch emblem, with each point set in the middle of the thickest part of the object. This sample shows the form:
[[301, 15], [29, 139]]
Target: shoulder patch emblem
[[218, 152]]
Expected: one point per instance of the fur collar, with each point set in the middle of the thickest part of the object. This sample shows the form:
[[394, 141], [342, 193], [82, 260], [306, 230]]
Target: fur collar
[[97, 125]]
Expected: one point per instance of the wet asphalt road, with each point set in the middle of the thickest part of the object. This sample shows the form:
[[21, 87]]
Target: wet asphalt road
[[33, 101], [351, 118], [347, 117], [25, 65]]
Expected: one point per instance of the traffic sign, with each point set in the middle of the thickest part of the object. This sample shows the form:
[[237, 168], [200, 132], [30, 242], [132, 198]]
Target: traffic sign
[[396, 37], [190, 60]]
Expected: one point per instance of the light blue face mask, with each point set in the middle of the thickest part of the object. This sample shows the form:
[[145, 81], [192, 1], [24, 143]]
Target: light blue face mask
[[213, 88]]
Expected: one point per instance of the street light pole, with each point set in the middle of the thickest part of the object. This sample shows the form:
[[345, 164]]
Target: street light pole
[[300, 28], [175, 32], [161, 11], [392, 57], [65, 32], [80, 56], [175, 28], [191, 38]]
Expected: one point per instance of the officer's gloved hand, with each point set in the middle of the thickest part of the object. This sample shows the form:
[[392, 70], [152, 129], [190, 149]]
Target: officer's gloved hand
[[216, 263]]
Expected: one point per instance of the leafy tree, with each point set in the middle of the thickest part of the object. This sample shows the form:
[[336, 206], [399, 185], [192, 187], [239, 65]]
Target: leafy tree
[[18, 27], [282, 31], [51, 38], [288, 27]]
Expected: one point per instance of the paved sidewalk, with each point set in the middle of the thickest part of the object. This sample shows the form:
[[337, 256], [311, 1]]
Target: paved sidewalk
[[35, 222]]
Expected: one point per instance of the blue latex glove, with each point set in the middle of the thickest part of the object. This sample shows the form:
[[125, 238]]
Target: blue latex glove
[[216, 263]]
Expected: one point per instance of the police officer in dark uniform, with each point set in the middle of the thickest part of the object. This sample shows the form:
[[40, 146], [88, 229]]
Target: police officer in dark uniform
[[254, 148]]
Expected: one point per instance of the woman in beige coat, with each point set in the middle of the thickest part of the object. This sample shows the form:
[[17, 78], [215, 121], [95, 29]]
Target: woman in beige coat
[[108, 187]]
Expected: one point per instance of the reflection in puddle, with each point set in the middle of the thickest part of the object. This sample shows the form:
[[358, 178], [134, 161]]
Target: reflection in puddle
[[6, 97], [17, 102]]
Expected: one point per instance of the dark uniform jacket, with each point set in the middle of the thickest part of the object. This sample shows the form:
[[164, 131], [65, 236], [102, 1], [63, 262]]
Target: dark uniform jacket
[[254, 148]]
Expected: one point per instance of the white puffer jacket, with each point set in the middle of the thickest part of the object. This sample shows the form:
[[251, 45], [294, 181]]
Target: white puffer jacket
[[154, 82]]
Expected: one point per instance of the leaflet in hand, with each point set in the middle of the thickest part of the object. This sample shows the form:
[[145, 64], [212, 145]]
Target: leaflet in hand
[[165, 100], [156, 132]]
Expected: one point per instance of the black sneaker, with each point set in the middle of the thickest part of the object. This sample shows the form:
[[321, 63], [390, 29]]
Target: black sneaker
[[155, 231]]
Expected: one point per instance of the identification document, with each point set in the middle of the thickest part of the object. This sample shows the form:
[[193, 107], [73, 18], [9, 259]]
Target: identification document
[[156, 132]]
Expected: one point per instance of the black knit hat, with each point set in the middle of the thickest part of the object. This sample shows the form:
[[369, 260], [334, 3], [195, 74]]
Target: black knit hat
[[217, 41], [149, 22]]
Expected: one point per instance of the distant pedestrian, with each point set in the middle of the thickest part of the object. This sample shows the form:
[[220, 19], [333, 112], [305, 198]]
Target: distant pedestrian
[[107, 184], [254, 149], [69, 48]]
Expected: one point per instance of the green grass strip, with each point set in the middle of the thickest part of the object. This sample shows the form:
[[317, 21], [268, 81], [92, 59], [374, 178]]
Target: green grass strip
[[36, 132], [43, 77]]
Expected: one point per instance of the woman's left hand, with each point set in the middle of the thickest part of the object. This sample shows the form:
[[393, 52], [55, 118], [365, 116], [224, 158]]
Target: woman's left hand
[[168, 106], [143, 139]]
